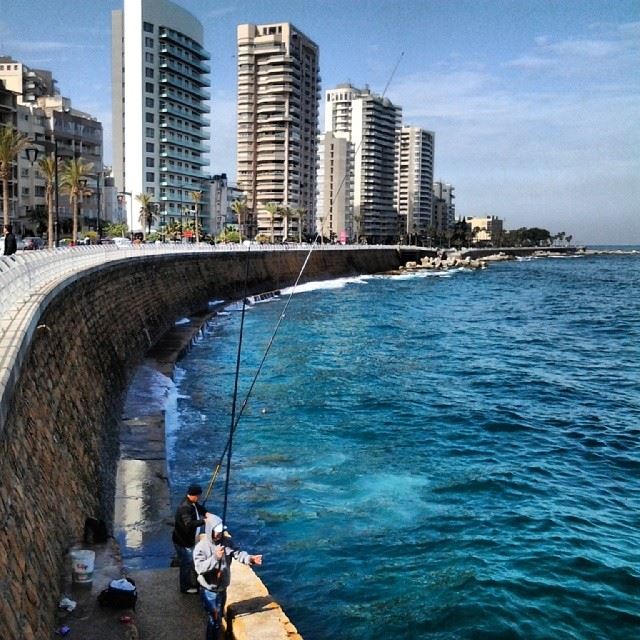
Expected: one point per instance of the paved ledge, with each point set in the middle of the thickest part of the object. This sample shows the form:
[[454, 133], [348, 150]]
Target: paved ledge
[[143, 520]]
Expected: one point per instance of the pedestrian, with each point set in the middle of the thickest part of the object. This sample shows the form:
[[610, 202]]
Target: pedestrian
[[189, 523], [212, 558], [10, 243]]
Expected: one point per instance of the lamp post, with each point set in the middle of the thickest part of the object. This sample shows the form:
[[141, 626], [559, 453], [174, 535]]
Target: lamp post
[[32, 156], [82, 183], [98, 194], [53, 144], [123, 194]]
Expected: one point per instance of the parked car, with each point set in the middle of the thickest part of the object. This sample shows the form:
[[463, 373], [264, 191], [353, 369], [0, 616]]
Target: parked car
[[32, 243], [122, 242]]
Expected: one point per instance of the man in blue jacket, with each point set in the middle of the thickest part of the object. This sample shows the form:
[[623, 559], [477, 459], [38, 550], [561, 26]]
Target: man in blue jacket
[[212, 558], [189, 523]]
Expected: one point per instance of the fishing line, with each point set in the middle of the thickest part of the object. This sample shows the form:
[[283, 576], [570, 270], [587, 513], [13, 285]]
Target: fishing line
[[235, 421]]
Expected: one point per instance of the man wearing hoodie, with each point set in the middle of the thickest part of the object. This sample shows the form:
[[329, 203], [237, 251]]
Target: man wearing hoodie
[[189, 523], [212, 558]]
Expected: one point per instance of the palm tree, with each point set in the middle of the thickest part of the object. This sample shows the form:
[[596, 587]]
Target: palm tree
[[147, 214], [11, 145], [47, 167], [298, 214], [196, 196], [73, 184], [272, 209], [239, 207]]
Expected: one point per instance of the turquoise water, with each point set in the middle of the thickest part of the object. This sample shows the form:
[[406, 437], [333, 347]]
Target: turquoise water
[[453, 456]]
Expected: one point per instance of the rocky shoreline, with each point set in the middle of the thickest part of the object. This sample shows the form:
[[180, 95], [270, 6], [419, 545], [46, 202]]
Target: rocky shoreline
[[454, 259]]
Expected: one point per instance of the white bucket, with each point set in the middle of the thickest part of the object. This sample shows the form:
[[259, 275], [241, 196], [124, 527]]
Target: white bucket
[[82, 561]]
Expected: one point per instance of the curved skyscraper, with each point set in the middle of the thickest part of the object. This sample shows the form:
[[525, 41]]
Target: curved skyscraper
[[159, 75]]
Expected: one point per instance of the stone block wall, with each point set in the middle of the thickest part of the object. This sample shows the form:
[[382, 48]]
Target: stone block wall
[[59, 442]]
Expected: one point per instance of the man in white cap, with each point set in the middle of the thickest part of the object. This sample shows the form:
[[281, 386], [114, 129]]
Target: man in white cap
[[212, 558]]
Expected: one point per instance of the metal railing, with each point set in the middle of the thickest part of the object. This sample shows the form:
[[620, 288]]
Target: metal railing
[[27, 273]]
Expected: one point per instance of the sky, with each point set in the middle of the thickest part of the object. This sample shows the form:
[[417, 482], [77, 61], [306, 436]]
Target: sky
[[535, 104]]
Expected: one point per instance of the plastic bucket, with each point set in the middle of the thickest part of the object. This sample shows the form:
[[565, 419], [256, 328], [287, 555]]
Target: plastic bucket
[[82, 561]]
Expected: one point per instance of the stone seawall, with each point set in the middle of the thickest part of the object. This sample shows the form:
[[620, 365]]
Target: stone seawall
[[59, 440]]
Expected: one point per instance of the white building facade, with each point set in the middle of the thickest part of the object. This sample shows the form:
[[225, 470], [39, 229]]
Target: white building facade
[[159, 98], [54, 127], [370, 124], [278, 94], [414, 183]]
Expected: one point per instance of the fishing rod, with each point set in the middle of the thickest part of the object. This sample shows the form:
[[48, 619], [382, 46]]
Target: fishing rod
[[235, 421]]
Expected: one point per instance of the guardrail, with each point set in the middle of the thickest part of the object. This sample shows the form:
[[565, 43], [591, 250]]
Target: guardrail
[[27, 272]]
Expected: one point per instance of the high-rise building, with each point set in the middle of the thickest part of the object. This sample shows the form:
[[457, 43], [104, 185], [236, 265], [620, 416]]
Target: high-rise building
[[159, 98], [278, 94], [53, 126], [370, 124], [414, 194], [335, 195], [444, 208]]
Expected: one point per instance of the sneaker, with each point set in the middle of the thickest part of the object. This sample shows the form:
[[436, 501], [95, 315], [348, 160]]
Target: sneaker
[[191, 590]]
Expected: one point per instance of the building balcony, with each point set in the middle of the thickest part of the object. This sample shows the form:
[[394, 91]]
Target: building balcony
[[184, 42], [178, 54]]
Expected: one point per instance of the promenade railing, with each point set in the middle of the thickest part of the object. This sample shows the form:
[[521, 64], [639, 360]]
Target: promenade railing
[[34, 272]]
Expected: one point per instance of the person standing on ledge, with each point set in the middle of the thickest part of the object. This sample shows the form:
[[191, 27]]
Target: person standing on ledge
[[212, 558], [10, 243], [189, 522]]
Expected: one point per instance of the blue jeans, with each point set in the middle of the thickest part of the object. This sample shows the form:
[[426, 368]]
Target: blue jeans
[[213, 603], [187, 571]]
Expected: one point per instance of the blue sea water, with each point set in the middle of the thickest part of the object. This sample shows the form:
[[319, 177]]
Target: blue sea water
[[435, 456]]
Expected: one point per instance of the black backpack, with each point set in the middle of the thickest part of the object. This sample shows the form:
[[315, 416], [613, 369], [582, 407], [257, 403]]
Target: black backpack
[[119, 598]]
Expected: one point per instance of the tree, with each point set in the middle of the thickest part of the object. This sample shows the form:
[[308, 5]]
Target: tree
[[272, 209], [298, 214], [116, 230], [147, 214], [11, 145], [239, 207], [74, 172], [196, 196], [47, 167]]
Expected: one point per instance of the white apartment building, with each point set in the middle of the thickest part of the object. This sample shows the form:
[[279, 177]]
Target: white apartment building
[[54, 127], [335, 194], [414, 182], [159, 98], [278, 94], [370, 124]]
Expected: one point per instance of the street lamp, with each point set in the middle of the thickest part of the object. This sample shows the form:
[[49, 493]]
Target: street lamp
[[123, 194]]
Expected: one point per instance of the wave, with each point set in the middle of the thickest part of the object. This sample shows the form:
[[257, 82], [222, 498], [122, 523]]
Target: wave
[[324, 285]]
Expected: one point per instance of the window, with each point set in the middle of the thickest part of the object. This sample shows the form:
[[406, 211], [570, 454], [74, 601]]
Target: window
[[149, 102], [150, 176], [148, 73], [148, 117], [151, 147], [148, 57], [150, 162], [150, 132], [148, 87], [148, 42], [148, 27]]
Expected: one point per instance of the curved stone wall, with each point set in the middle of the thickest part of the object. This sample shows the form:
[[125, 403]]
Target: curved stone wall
[[59, 441]]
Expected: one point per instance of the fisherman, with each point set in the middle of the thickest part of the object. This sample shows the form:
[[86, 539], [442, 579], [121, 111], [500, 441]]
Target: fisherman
[[212, 558], [189, 523]]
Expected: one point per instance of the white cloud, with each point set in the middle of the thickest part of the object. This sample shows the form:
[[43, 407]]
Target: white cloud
[[34, 46]]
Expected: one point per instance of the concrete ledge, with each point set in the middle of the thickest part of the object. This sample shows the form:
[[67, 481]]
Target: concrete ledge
[[251, 612]]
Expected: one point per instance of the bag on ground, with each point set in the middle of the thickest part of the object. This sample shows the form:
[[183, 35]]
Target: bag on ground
[[120, 594]]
